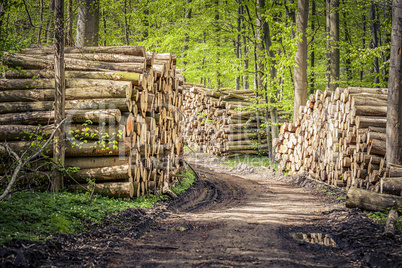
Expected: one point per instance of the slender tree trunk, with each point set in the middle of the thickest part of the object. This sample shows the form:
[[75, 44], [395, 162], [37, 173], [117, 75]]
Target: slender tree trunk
[[237, 49], [245, 52], [347, 39], [125, 23], [363, 45], [60, 94], [312, 54], [50, 23], [218, 44], [374, 31], [70, 40], [394, 111], [387, 10], [88, 23], [187, 17], [41, 22], [104, 26], [301, 58], [334, 44], [327, 31]]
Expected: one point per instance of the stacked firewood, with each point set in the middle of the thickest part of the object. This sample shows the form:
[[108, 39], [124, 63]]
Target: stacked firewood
[[122, 107], [339, 138], [216, 123]]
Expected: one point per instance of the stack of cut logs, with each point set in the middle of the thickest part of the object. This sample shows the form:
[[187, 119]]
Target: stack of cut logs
[[122, 107], [339, 138], [214, 122]]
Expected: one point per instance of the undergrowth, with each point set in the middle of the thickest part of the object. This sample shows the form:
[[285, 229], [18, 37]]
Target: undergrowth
[[381, 218], [255, 161], [37, 215]]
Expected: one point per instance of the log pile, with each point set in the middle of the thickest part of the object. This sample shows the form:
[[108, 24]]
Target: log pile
[[122, 106], [339, 138], [215, 123]]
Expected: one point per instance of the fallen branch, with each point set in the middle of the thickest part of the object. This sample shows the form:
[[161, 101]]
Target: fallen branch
[[23, 163]]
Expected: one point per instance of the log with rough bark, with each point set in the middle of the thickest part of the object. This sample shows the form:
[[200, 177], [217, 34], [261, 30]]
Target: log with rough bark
[[74, 115], [389, 229], [110, 189], [135, 78], [368, 200], [125, 50]]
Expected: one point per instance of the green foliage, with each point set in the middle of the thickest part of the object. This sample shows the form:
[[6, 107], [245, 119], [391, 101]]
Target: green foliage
[[36, 215], [255, 161], [381, 218]]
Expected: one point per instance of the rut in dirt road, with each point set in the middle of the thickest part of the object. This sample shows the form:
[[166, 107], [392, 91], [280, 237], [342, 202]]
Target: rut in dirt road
[[232, 221]]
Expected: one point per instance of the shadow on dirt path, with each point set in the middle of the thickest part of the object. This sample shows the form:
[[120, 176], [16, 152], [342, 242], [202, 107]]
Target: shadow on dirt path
[[233, 221], [230, 217]]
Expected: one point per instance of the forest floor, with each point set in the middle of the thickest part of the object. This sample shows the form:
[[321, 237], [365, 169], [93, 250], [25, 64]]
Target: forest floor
[[232, 217]]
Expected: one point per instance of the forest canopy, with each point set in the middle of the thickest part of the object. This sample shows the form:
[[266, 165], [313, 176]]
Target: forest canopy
[[226, 43]]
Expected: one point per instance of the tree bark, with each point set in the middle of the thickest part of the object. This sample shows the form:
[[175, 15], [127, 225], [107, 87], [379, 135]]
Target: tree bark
[[368, 200], [60, 95], [334, 44], [374, 31], [300, 69], [70, 39], [187, 17], [394, 112], [88, 23]]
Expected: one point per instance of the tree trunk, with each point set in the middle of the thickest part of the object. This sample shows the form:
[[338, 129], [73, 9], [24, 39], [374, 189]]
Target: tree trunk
[[50, 23], [245, 52], [301, 58], [60, 95], [334, 44], [367, 200], [186, 40], [88, 23], [125, 23], [312, 54], [41, 23], [394, 113], [70, 39], [237, 45], [363, 45], [374, 31]]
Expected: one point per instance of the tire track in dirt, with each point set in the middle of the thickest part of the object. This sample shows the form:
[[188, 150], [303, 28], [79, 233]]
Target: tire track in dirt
[[232, 221]]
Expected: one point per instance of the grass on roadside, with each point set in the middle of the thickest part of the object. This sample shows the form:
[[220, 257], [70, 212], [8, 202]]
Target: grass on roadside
[[37, 215], [381, 218], [255, 161]]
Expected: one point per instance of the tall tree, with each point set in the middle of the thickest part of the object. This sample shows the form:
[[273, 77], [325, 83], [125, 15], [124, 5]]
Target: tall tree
[[87, 23], [312, 53], [60, 94], [187, 17], [394, 112], [334, 44], [300, 69], [70, 38], [374, 31]]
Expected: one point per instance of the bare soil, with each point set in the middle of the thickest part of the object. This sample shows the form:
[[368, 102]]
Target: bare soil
[[231, 217]]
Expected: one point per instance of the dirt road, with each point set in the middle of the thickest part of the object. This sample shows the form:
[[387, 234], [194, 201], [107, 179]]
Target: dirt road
[[237, 221], [231, 217]]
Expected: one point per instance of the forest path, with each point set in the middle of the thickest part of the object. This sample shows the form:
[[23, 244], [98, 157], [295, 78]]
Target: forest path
[[234, 221]]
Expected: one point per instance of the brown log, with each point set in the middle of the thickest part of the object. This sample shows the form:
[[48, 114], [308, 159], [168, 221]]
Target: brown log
[[352, 90], [96, 162], [71, 93], [369, 110], [394, 171], [370, 121], [18, 107], [126, 50], [368, 200], [377, 147], [106, 57], [75, 116], [135, 78], [49, 83], [389, 229], [102, 174], [392, 185], [73, 148], [110, 189]]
